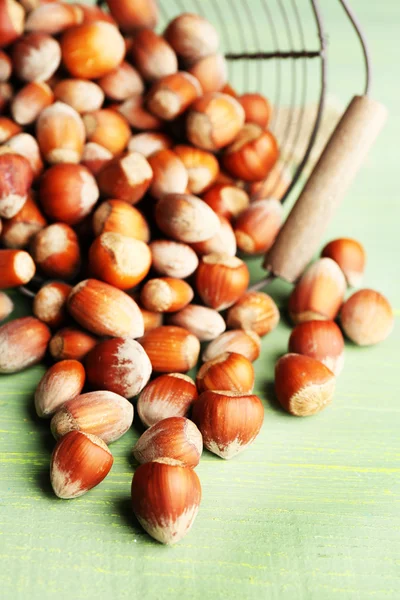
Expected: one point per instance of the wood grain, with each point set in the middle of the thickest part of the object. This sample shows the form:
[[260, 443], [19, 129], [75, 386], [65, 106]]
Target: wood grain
[[311, 510]]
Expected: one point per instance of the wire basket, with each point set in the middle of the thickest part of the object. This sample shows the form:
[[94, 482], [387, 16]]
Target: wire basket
[[282, 55]]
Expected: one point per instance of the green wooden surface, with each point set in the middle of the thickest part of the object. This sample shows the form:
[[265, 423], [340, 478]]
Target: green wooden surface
[[310, 511]]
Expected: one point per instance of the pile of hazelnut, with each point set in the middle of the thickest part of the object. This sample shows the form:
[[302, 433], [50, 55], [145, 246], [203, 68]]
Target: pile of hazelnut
[[131, 173]]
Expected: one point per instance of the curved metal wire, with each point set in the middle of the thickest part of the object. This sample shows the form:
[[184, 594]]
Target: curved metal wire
[[199, 7], [290, 139], [317, 122], [302, 53], [278, 69], [304, 82], [292, 103], [295, 136], [242, 37], [34, 286], [293, 54], [364, 46], [223, 27], [297, 90], [163, 12], [254, 34], [322, 41], [25, 291]]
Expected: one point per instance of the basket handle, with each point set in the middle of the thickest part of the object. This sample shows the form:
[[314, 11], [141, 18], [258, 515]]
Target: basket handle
[[322, 194]]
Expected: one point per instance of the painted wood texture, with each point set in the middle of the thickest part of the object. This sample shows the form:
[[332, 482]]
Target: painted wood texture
[[311, 510]]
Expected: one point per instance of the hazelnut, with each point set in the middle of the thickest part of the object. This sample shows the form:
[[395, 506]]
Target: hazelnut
[[60, 383], [119, 365], [171, 349], [23, 343], [172, 441], [85, 53], [55, 250], [170, 395], [228, 371], [214, 121], [165, 500], [321, 340], [101, 413], [221, 280], [192, 37], [16, 268], [79, 462], [228, 421], [153, 56], [186, 218], [105, 310], [304, 386], [350, 256], [319, 293], [367, 317]]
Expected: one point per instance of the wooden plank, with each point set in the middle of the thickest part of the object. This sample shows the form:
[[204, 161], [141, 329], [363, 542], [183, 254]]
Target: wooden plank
[[311, 510]]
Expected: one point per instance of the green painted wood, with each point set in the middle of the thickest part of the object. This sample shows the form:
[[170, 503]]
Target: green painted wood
[[310, 511]]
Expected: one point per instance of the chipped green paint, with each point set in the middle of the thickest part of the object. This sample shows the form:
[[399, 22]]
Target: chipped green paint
[[311, 510]]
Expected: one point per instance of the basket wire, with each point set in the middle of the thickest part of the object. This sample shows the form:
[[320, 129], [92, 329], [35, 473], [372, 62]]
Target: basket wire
[[280, 55], [272, 55]]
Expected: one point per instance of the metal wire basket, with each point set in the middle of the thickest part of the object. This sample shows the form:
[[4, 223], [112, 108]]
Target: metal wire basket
[[278, 55]]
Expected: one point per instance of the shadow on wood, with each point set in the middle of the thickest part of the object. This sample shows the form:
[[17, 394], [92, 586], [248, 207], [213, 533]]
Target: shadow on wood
[[42, 479], [269, 397], [123, 506]]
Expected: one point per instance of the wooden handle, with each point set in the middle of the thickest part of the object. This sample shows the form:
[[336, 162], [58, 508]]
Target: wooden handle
[[332, 175]]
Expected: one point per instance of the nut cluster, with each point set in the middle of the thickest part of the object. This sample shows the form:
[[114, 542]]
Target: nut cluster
[[305, 377], [131, 173]]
